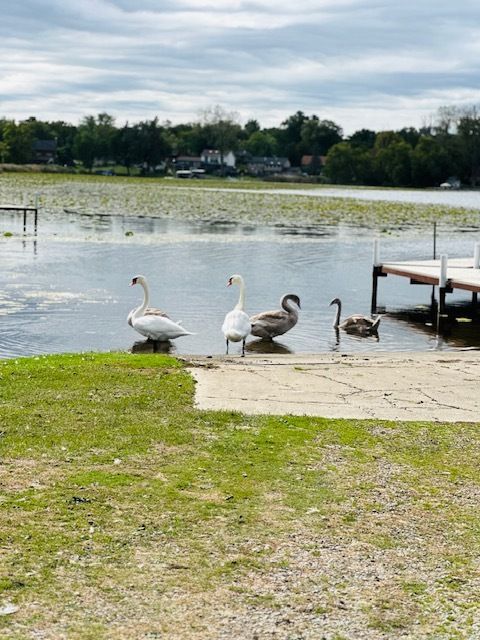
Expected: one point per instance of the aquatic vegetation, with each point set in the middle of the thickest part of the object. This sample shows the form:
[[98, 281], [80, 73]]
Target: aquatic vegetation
[[236, 201]]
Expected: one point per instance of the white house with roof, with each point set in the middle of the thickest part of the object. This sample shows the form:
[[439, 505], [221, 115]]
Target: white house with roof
[[213, 158]]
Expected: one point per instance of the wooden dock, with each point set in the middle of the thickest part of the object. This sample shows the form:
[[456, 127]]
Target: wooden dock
[[24, 209], [446, 274], [460, 272]]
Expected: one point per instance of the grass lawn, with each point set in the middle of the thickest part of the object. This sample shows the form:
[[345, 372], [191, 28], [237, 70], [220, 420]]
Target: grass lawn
[[126, 513]]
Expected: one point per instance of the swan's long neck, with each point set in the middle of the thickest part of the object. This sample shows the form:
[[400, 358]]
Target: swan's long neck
[[146, 298], [286, 304], [241, 298], [336, 322]]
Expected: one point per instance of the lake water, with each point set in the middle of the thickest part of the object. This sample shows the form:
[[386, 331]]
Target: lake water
[[66, 289], [469, 199]]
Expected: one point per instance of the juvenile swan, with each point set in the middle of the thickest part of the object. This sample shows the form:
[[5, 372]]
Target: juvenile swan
[[153, 323], [275, 323], [356, 323], [236, 325]]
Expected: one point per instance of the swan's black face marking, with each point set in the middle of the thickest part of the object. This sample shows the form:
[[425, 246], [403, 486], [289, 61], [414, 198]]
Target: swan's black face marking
[[229, 283], [134, 281]]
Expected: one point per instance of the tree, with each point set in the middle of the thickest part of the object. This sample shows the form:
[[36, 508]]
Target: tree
[[64, 133], [349, 164], [18, 140], [151, 144], [410, 135], [392, 160], [431, 163], [189, 139], [469, 137], [317, 136], [123, 147], [364, 138], [85, 144], [289, 137], [251, 127], [223, 131], [105, 133], [261, 144]]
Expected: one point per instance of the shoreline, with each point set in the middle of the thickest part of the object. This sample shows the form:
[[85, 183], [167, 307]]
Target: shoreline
[[402, 386]]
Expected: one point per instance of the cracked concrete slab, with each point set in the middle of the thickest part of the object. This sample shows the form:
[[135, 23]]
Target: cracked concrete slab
[[437, 386]]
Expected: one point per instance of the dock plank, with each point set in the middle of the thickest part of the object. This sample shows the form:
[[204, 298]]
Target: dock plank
[[460, 272]]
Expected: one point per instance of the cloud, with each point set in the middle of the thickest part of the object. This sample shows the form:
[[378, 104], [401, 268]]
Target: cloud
[[362, 63]]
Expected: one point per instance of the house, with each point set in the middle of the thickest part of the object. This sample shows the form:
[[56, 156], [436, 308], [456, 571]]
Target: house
[[186, 163], [313, 164], [266, 165], [213, 158], [44, 151]]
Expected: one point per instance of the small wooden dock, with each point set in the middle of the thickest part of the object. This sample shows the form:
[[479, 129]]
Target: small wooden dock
[[446, 274], [25, 209]]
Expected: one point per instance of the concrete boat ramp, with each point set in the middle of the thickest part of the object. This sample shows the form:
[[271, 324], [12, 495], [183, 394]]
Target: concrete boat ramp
[[434, 386]]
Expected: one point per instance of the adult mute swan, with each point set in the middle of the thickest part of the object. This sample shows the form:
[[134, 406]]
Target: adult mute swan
[[275, 323], [153, 323], [356, 323], [236, 325]]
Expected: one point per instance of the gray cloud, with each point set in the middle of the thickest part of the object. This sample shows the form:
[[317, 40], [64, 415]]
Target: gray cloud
[[362, 63]]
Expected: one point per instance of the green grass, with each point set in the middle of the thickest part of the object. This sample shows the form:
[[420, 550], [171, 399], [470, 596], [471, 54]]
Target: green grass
[[126, 513]]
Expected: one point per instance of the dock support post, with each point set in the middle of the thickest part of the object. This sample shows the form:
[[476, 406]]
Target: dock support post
[[24, 221], [373, 306], [442, 290], [442, 282], [35, 213], [375, 273]]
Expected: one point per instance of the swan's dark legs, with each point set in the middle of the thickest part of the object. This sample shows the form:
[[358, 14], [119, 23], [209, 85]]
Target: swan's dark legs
[[243, 348], [227, 345]]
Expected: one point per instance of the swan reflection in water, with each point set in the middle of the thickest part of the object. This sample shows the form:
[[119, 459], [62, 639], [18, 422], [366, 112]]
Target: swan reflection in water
[[267, 346], [359, 337], [153, 346]]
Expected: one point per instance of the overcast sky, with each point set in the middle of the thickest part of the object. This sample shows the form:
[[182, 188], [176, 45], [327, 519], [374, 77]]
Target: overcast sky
[[378, 64]]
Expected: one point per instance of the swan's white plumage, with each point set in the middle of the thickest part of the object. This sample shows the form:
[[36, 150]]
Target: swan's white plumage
[[236, 325], [153, 323]]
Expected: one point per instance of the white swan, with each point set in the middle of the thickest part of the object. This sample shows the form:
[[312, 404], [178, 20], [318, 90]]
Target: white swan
[[236, 325], [275, 323], [153, 323], [356, 323]]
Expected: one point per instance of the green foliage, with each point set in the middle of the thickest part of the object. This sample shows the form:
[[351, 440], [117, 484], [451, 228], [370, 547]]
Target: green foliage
[[431, 163], [453, 146], [318, 136], [261, 143]]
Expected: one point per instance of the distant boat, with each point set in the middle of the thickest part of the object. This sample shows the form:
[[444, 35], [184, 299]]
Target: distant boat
[[451, 183]]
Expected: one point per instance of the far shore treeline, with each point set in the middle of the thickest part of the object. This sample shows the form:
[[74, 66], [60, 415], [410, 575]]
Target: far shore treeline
[[312, 147]]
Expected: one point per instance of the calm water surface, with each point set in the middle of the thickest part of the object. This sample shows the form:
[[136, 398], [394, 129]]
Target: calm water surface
[[67, 288]]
